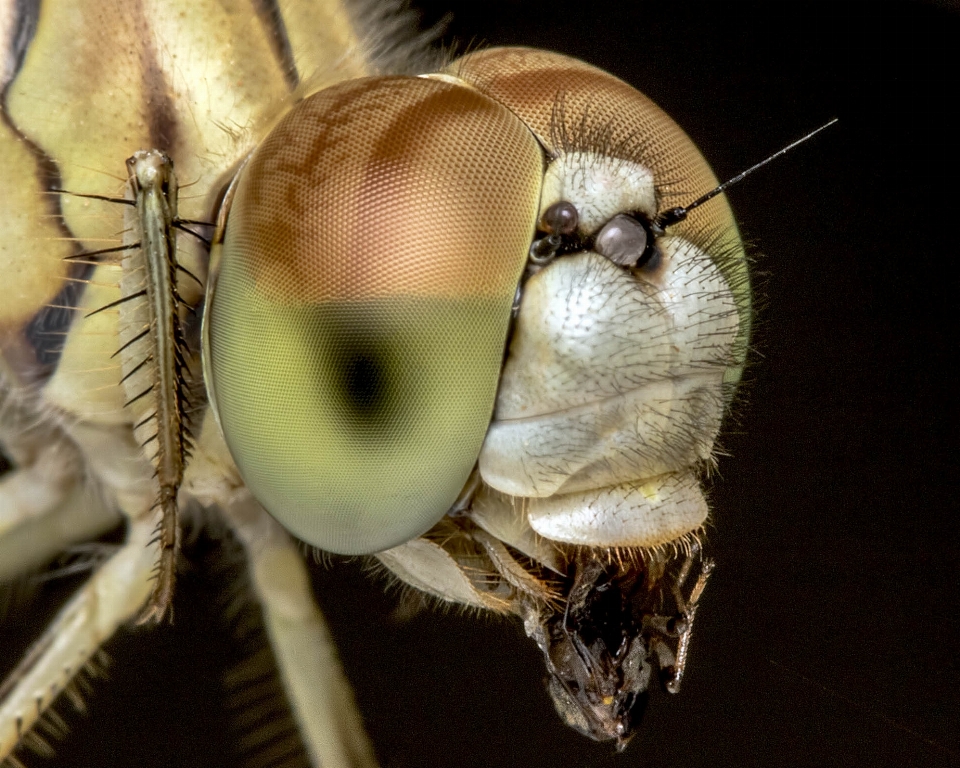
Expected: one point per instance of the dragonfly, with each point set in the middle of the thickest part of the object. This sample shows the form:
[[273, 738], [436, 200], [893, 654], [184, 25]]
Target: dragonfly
[[177, 288]]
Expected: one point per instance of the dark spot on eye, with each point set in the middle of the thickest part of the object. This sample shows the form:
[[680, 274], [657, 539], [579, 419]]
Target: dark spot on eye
[[368, 370], [365, 384], [362, 383]]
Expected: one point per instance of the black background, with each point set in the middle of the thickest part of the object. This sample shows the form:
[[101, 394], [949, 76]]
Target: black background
[[829, 635]]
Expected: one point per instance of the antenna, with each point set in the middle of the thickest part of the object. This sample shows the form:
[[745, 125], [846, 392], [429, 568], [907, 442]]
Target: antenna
[[674, 215]]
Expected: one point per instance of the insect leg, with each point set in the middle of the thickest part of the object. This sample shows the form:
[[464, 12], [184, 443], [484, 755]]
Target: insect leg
[[689, 610], [110, 598], [154, 355], [46, 505], [32, 541], [317, 690], [514, 573], [673, 664]]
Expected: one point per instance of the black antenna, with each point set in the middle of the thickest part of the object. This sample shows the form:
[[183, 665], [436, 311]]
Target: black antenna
[[675, 215]]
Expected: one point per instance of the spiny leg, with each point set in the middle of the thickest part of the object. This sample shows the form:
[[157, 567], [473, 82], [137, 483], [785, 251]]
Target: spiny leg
[[110, 598], [317, 690], [514, 573], [689, 610], [154, 355]]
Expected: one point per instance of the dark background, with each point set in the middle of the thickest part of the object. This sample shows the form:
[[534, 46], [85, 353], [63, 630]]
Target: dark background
[[831, 630]]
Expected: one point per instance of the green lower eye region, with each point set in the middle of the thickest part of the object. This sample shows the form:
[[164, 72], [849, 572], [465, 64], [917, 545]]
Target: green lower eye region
[[362, 376], [355, 424], [365, 383]]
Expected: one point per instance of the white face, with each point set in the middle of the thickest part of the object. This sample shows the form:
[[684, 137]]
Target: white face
[[368, 374], [615, 378]]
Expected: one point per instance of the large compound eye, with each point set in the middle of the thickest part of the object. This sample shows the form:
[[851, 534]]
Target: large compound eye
[[356, 329]]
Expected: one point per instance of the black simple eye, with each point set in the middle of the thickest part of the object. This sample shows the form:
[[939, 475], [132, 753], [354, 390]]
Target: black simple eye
[[627, 241]]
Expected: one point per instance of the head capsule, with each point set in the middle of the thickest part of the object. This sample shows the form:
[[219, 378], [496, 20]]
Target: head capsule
[[631, 337]]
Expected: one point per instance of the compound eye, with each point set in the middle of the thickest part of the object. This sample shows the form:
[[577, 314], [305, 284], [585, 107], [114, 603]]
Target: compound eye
[[356, 326], [628, 242]]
